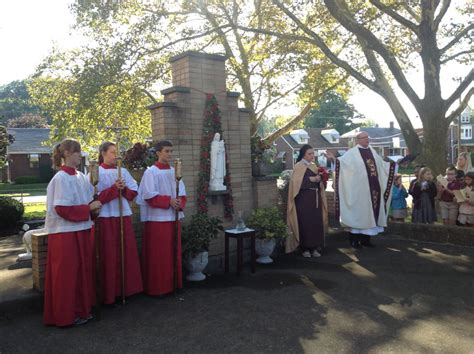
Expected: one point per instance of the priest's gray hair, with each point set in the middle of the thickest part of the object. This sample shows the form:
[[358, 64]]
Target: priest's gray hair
[[362, 132]]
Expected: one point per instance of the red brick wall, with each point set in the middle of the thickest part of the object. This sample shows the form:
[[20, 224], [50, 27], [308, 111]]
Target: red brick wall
[[19, 165]]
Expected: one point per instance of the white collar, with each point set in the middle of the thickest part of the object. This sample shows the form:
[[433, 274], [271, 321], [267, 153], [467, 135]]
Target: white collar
[[361, 147], [306, 162]]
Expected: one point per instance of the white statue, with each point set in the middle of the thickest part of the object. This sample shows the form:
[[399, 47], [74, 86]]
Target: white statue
[[27, 242], [218, 171]]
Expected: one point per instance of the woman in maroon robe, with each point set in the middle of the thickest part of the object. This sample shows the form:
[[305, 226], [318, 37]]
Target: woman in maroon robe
[[307, 207]]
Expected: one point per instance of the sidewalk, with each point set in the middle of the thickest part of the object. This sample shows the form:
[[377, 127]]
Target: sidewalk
[[403, 296], [15, 278]]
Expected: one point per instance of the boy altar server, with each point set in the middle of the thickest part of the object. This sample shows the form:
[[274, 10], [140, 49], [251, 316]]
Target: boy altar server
[[158, 205]]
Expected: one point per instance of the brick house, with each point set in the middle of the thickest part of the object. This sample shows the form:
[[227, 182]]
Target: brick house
[[321, 139], [467, 139], [386, 141], [27, 156]]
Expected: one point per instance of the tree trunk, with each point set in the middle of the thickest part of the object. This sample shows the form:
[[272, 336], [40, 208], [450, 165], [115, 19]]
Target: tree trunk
[[435, 144]]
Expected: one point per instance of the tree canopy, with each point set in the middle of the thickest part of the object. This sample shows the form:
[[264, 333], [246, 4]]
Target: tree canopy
[[385, 40], [333, 111], [132, 41], [15, 101]]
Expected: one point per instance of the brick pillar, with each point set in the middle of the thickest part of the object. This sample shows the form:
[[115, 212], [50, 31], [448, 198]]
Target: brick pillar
[[179, 118]]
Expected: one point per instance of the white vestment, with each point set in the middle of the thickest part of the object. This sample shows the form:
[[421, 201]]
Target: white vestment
[[155, 182], [107, 178], [67, 190], [353, 192]]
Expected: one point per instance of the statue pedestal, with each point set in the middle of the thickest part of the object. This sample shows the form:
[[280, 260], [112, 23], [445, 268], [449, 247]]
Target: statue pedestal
[[215, 194]]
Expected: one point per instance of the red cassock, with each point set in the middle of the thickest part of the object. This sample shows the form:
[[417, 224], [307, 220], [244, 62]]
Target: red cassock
[[158, 249], [69, 290], [110, 256]]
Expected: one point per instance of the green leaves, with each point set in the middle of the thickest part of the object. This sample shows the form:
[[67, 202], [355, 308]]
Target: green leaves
[[199, 232], [268, 223]]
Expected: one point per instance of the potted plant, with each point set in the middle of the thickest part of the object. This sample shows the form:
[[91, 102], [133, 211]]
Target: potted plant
[[138, 158], [269, 225], [196, 238]]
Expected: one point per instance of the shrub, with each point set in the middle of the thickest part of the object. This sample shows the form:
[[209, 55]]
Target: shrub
[[268, 223], [11, 211], [27, 180], [199, 232]]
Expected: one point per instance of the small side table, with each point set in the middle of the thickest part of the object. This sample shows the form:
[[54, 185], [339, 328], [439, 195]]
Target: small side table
[[239, 235]]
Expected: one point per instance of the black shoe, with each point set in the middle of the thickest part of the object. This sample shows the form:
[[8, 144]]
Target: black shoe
[[368, 244], [355, 244]]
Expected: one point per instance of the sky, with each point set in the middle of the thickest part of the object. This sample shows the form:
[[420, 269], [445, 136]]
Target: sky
[[30, 28]]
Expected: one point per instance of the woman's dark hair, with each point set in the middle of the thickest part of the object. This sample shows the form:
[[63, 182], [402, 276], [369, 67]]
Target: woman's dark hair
[[104, 147], [303, 150], [470, 174], [70, 145], [161, 144], [459, 174]]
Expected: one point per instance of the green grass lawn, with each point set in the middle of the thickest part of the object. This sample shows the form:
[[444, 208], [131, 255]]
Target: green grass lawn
[[17, 190], [34, 211]]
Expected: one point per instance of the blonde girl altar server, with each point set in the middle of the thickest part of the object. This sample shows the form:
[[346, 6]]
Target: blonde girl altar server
[[158, 205], [69, 290], [109, 222]]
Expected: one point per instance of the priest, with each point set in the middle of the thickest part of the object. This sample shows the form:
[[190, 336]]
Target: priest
[[158, 204], [363, 185]]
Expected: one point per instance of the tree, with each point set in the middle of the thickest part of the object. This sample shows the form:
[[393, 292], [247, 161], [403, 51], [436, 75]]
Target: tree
[[15, 101], [28, 121], [5, 140], [86, 117], [133, 40], [333, 111], [385, 40]]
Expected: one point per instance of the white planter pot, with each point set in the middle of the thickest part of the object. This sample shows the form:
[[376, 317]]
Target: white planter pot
[[264, 249], [195, 265]]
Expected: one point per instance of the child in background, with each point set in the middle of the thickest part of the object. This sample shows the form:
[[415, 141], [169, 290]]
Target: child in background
[[460, 177], [399, 204], [466, 209], [449, 208], [424, 193], [416, 172]]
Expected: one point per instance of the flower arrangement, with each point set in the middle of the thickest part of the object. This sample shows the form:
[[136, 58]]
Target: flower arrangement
[[258, 148], [139, 156], [212, 125]]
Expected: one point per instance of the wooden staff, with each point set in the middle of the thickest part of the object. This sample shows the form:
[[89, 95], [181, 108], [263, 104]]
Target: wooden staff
[[118, 131], [94, 180], [122, 238], [178, 176]]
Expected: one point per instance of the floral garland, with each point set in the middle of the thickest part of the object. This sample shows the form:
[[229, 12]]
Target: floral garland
[[211, 126]]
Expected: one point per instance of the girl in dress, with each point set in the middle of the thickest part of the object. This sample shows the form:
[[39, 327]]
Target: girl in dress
[[424, 193], [69, 290], [466, 208], [399, 203]]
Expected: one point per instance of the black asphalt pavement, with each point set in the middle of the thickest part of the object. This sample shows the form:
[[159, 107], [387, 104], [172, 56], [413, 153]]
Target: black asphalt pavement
[[402, 297]]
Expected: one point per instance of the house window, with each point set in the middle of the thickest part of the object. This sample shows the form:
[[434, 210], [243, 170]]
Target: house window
[[465, 118], [34, 160], [466, 132]]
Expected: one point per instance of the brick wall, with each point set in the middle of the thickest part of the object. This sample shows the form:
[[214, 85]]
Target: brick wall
[[19, 165]]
